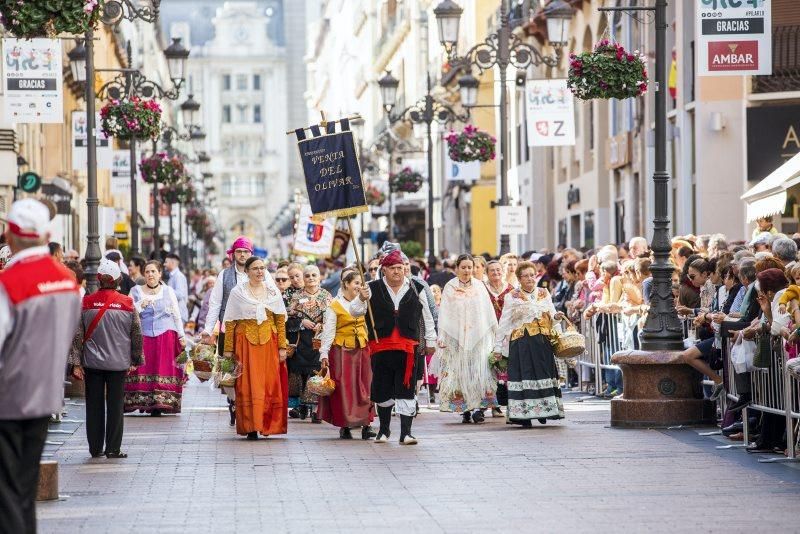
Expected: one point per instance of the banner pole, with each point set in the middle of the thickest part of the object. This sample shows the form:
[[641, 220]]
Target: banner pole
[[361, 273]]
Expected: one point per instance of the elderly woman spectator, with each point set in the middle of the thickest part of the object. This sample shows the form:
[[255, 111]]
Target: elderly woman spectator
[[717, 244], [784, 249], [638, 248]]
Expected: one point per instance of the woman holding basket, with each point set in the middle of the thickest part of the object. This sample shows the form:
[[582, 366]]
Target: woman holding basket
[[255, 327], [308, 307], [345, 355], [527, 326]]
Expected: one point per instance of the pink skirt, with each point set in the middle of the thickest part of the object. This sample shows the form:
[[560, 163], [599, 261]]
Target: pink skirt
[[158, 384], [349, 405]]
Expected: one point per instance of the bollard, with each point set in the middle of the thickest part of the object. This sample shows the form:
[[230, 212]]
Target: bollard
[[48, 481]]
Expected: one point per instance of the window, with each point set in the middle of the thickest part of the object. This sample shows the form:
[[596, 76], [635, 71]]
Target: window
[[247, 186], [241, 82], [257, 113], [241, 114], [226, 82], [588, 229], [226, 114], [256, 82]]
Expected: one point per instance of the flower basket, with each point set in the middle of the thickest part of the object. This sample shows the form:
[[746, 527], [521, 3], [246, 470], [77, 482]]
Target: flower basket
[[498, 365], [375, 197], [161, 168], [125, 119], [609, 71], [406, 181], [471, 144], [27, 19], [180, 193], [203, 357]]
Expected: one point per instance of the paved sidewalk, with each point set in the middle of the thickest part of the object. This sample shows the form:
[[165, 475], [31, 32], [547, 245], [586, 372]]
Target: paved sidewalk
[[191, 473]]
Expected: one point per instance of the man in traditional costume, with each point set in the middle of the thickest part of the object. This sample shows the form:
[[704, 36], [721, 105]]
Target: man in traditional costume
[[397, 303]]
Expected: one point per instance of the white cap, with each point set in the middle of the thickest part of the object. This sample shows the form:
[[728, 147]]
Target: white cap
[[763, 238], [29, 218], [110, 268]]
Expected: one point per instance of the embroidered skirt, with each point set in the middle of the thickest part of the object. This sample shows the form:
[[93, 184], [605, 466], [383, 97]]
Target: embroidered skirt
[[349, 404], [158, 384], [533, 389]]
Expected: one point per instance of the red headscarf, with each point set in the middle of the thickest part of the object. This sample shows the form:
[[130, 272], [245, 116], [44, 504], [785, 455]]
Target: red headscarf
[[393, 258]]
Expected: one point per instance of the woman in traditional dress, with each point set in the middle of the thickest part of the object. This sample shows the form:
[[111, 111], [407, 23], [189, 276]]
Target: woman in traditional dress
[[308, 305], [344, 353], [524, 336], [157, 386], [498, 289], [467, 326], [255, 327]]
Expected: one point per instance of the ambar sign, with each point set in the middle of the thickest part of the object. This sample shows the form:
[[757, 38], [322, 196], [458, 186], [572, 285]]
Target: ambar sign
[[732, 56]]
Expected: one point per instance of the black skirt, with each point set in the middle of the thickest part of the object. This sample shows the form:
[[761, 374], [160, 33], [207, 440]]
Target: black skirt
[[533, 388], [306, 358]]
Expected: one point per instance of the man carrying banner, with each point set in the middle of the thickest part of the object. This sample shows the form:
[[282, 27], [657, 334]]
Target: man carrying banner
[[397, 304]]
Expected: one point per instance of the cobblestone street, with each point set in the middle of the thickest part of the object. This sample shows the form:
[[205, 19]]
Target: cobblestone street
[[191, 473]]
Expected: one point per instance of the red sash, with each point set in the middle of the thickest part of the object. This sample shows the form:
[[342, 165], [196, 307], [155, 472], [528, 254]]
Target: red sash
[[396, 342]]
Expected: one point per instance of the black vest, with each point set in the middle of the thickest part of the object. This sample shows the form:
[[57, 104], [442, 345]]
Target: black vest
[[408, 315]]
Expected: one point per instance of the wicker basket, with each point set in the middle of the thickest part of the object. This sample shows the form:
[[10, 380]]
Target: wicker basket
[[571, 343], [321, 383]]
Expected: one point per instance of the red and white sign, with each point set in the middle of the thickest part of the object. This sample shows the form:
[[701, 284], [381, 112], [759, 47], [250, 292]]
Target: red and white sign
[[734, 56], [734, 38], [550, 113]]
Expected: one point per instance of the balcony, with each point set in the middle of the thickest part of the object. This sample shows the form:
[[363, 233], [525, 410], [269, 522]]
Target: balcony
[[785, 62]]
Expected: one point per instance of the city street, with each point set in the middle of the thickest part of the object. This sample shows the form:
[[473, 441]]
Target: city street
[[192, 474]]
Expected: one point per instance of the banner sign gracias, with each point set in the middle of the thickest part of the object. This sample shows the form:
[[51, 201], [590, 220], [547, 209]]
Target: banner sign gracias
[[333, 176]]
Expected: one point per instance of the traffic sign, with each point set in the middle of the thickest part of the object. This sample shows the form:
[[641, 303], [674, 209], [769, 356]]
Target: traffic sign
[[30, 182]]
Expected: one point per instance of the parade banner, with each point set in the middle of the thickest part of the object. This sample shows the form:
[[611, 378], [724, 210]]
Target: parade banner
[[734, 37], [550, 113], [121, 172], [313, 237], [33, 81], [79, 141], [332, 172]]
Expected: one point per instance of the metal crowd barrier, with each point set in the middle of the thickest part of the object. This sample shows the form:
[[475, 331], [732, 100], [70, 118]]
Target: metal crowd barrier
[[600, 346]]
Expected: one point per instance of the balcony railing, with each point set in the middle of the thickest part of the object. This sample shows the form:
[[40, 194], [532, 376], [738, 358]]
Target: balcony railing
[[785, 62]]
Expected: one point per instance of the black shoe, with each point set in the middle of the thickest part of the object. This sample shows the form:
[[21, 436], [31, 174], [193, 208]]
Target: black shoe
[[757, 448], [155, 413], [733, 429], [303, 412], [743, 402], [543, 421], [719, 389], [97, 454], [294, 414], [477, 417], [385, 418], [232, 412], [466, 417], [526, 423], [367, 433], [117, 454], [315, 418], [252, 436], [345, 433]]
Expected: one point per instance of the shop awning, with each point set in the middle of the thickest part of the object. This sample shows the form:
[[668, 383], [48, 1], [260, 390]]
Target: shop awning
[[768, 197]]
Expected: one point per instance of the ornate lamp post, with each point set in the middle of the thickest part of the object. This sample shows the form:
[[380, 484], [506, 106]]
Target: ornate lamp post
[[502, 49], [425, 111]]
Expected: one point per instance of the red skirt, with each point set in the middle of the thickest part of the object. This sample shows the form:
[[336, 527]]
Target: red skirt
[[349, 405]]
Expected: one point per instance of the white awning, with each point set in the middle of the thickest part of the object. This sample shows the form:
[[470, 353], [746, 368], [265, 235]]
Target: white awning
[[768, 197]]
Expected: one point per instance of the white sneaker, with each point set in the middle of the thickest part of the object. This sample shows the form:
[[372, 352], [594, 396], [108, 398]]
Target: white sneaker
[[408, 440], [381, 438]]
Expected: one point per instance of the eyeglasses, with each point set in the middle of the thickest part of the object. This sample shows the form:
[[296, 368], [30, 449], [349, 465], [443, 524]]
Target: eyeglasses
[[373, 269], [242, 251], [281, 279]]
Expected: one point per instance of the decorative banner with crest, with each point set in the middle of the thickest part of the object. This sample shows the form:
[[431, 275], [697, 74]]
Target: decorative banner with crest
[[313, 237], [332, 172]]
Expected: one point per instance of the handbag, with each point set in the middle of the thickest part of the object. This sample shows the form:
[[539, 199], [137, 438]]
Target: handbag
[[742, 354], [763, 355]]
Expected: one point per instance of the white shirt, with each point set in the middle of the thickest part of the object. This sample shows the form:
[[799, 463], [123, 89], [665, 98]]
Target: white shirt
[[6, 312], [215, 301], [358, 308]]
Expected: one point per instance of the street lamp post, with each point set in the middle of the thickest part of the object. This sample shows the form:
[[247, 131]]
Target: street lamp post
[[502, 49], [662, 330], [425, 111], [113, 12]]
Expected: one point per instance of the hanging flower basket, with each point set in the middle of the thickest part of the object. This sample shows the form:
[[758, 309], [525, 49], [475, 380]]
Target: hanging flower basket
[[198, 221], [135, 117], [375, 197], [609, 71], [180, 193], [471, 144], [161, 168], [27, 19], [406, 181]]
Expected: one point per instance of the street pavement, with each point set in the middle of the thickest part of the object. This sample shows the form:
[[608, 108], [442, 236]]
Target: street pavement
[[191, 473]]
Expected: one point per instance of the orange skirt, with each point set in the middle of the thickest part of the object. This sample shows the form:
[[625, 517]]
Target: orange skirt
[[262, 390]]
